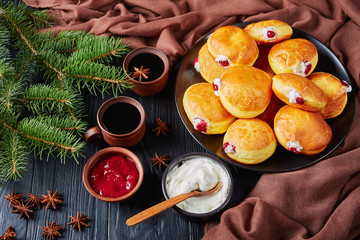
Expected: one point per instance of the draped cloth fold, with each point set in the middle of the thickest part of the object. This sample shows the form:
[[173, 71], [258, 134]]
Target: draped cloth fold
[[319, 202]]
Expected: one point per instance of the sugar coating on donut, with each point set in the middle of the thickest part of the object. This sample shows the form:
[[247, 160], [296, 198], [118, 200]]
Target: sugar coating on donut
[[348, 87], [304, 68], [216, 86], [269, 33], [200, 124], [294, 146], [229, 148], [196, 64], [222, 60], [295, 97]]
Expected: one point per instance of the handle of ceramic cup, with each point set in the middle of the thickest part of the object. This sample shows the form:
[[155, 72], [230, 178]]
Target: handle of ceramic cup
[[93, 135]]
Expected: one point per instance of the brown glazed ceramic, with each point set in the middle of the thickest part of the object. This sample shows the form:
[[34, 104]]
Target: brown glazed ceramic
[[117, 140], [103, 154], [147, 88]]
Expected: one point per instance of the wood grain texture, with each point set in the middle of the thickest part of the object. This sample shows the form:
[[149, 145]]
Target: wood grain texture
[[107, 220]]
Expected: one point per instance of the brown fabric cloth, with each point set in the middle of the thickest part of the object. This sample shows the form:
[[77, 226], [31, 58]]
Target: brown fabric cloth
[[318, 202]]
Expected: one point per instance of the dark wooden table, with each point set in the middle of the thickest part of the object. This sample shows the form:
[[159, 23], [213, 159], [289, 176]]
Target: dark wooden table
[[107, 220]]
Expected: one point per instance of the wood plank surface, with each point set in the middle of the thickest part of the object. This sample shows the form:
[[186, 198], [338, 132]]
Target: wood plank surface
[[107, 220]]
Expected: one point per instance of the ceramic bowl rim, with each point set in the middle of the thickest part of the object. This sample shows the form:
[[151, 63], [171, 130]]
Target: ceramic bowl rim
[[154, 51], [124, 99], [99, 155], [187, 157]]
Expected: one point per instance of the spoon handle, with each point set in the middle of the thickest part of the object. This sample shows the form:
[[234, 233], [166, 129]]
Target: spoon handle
[[152, 211]]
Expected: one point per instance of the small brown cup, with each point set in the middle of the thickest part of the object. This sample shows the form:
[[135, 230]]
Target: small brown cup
[[147, 88], [117, 140], [98, 156]]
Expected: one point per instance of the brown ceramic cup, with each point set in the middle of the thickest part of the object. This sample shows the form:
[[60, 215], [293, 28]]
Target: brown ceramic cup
[[127, 139], [106, 152], [145, 57]]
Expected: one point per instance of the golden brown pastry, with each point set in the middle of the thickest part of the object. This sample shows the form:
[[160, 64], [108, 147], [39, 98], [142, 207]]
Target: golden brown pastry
[[245, 91], [297, 56], [205, 111], [298, 92], [232, 46], [269, 31], [208, 68], [249, 141], [301, 131], [335, 91]]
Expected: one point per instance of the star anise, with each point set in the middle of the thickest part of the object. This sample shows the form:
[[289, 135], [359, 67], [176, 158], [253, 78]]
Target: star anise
[[10, 234], [78, 221], [141, 73], [23, 209], [51, 231], [160, 161], [161, 127], [51, 199], [13, 198], [34, 200]]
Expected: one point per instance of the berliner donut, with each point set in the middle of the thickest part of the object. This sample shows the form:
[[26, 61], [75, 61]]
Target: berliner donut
[[249, 141], [335, 91], [301, 131], [297, 56], [232, 46], [205, 111], [269, 31], [209, 69], [245, 91], [298, 92]]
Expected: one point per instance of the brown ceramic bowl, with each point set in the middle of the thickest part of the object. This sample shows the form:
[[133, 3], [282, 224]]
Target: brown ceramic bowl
[[110, 152], [146, 57]]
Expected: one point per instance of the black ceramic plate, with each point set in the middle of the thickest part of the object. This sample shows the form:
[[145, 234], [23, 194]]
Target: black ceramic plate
[[281, 160]]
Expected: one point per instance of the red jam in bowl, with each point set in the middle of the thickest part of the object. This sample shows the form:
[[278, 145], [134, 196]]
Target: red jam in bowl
[[113, 176]]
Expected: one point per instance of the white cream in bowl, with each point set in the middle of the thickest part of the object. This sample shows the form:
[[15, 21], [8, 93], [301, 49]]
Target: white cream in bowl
[[198, 173]]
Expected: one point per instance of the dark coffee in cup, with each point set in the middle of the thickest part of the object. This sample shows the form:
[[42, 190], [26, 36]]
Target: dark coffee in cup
[[121, 118]]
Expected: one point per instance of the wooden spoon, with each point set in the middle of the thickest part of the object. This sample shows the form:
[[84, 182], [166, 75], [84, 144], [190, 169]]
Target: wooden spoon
[[158, 208]]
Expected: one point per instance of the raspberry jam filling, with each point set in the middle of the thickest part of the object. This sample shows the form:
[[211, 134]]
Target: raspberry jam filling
[[229, 148], [196, 64], [216, 86], [308, 66], [222, 60], [270, 34], [294, 146], [304, 68], [295, 97], [348, 87], [200, 124]]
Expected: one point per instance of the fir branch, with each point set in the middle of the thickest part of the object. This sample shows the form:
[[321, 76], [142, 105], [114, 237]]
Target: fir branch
[[49, 139], [96, 77], [64, 123], [99, 48], [47, 99], [13, 157]]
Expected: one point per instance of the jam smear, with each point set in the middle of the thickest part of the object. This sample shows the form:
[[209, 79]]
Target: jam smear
[[200, 125], [195, 61], [113, 176], [299, 100], [308, 66], [270, 34], [344, 83], [229, 148], [215, 87], [294, 150], [224, 63]]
